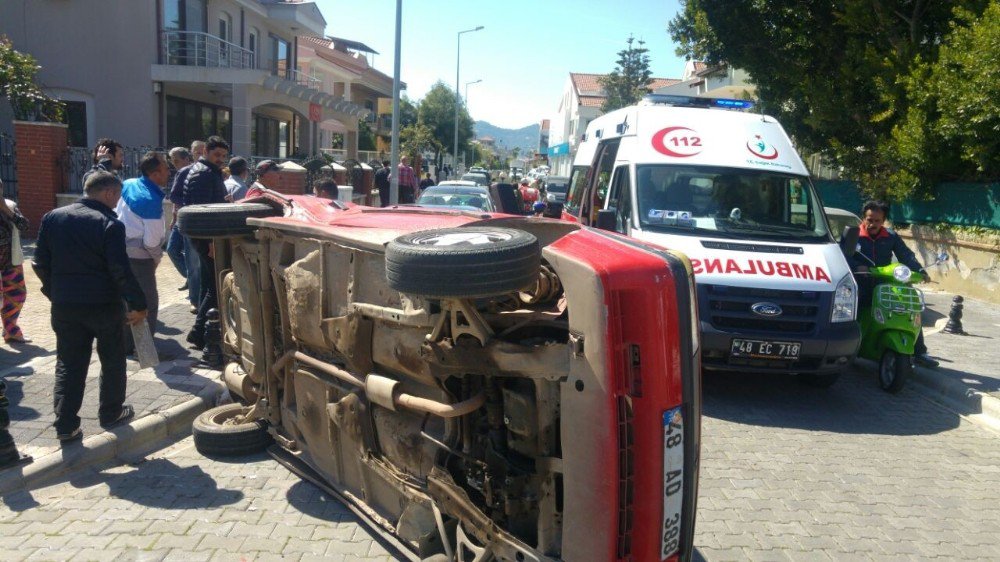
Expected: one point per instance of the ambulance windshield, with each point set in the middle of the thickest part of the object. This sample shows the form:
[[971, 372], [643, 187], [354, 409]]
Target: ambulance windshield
[[729, 202]]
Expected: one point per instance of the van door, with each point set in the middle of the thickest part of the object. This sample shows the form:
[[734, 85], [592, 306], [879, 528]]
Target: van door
[[600, 179], [620, 199]]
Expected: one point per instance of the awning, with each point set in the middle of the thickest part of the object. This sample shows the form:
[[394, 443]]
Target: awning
[[558, 149]]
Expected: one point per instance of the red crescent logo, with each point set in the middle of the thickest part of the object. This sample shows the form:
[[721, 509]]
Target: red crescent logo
[[661, 147]]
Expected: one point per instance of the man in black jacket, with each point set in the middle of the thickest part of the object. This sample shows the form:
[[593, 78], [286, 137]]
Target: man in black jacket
[[81, 261], [382, 183], [879, 244], [204, 184], [109, 156]]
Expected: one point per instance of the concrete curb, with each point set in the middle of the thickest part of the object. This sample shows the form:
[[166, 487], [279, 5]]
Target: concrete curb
[[139, 437], [969, 402]]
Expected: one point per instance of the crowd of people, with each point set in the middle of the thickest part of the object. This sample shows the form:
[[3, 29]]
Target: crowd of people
[[97, 261]]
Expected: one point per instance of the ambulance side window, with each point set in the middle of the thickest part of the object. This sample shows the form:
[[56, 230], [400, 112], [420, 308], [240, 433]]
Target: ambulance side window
[[606, 154], [620, 199], [577, 189]]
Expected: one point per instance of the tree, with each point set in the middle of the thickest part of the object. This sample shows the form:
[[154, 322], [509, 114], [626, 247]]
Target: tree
[[408, 112], [366, 135], [416, 139], [630, 80], [834, 73], [950, 131], [437, 112], [17, 84]]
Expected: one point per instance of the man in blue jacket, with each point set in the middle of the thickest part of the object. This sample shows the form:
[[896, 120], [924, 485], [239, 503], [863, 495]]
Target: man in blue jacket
[[81, 261], [204, 184], [879, 244]]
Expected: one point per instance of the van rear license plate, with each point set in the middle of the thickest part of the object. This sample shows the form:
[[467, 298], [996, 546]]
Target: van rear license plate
[[759, 349], [673, 481]]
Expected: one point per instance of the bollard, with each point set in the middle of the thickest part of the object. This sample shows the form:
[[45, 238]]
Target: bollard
[[212, 353], [8, 451], [954, 325]]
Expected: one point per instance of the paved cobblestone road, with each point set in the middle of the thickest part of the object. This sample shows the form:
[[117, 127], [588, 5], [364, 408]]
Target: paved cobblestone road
[[788, 473]]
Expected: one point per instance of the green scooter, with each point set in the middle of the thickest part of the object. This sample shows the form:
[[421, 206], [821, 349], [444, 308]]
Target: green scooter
[[891, 322]]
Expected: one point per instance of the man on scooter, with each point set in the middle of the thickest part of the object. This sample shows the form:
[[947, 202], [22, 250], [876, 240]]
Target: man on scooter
[[879, 244]]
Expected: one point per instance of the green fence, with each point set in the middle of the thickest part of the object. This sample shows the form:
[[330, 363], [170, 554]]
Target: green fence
[[963, 204]]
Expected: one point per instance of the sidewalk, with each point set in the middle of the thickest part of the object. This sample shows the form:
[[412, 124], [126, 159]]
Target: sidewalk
[[173, 386], [968, 378]]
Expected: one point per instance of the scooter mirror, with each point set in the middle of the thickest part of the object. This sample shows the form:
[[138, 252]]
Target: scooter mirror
[[849, 240]]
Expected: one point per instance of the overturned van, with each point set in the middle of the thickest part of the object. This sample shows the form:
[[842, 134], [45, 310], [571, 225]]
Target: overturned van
[[727, 188], [477, 386]]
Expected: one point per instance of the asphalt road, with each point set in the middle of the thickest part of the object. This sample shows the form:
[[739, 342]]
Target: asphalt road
[[789, 472]]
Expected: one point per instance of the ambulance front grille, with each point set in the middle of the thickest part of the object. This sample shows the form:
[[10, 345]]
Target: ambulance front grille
[[729, 308]]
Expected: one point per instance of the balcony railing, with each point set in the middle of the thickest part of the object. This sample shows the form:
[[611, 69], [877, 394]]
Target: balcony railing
[[194, 48], [303, 79]]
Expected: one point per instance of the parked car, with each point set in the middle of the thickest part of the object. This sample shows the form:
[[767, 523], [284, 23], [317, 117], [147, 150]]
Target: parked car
[[459, 405], [481, 178], [839, 218], [556, 188], [464, 195]]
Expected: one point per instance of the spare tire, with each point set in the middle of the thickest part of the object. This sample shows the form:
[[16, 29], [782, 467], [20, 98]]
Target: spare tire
[[218, 220], [463, 262], [216, 432]]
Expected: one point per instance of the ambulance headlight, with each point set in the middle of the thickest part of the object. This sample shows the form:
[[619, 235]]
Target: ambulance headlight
[[901, 273], [845, 300]]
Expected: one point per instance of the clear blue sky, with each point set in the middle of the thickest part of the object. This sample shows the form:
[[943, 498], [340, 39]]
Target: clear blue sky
[[524, 55]]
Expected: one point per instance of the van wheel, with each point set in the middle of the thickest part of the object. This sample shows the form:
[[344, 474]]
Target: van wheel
[[218, 220], [893, 370], [221, 432], [463, 262], [819, 380]]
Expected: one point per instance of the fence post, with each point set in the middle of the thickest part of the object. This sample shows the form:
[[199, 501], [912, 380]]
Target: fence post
[[40, 150]]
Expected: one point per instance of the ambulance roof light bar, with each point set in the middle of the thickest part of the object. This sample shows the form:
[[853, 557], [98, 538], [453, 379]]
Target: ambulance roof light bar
[[693, 101]]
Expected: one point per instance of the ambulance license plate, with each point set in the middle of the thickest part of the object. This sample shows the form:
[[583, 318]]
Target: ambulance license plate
[[759, 349], [673, 481]]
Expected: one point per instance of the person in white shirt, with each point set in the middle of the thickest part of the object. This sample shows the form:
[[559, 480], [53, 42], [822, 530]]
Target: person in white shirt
[[141, 210], [236, 185]]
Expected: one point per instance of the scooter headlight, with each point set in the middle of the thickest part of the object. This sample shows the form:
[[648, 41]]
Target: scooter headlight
[[845, 300], [901, 273], [879, 317]]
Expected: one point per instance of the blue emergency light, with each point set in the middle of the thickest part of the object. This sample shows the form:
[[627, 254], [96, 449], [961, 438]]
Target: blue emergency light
[[693, 101]]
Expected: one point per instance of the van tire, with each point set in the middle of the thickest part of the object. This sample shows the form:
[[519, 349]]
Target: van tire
[[215, 435], [220, 220], [470, 262]]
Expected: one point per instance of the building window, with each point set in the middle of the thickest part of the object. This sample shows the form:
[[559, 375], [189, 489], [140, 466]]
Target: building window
[[252, 46], [184, 15], [75, 116], [281, 57], [225, 27], [270, 137], [189, 120]]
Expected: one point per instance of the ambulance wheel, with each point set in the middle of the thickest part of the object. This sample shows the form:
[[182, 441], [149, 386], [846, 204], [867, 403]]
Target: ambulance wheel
[[469, 262], [893, 370], [819, 380]]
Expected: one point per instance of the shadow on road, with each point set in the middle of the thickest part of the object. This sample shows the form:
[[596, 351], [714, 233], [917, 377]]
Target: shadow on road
[[162, 484], [16, 355], [15, 394], [854, 405]]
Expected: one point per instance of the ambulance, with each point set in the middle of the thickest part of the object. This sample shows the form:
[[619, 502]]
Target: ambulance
[[725, 186]]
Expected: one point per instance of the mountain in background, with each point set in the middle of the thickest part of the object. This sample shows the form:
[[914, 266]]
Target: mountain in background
[[526, 137]]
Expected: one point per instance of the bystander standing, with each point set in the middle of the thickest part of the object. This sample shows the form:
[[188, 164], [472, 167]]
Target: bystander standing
[[382, 184], [108, 156], [236, 185], [191, 263], [326, 189], [407, 181], [204, 184], [180, 158], [81, 261], [140, 209], [12, 223]]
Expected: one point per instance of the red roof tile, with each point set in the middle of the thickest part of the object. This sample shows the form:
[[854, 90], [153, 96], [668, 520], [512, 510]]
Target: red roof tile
[[591, 93]]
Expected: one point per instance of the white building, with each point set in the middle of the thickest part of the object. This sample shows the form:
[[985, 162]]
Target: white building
[[580, 104], [721, 81]]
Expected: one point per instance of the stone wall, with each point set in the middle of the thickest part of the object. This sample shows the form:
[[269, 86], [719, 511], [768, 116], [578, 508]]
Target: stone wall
[[973, 266], [40, 152]]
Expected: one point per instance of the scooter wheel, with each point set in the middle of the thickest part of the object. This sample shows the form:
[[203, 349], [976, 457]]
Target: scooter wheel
[[893, 370]]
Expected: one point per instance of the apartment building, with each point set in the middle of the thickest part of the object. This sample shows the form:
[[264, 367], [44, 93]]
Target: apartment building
[[164, 72]]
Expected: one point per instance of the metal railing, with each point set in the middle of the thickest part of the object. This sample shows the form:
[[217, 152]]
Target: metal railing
[[80, 159], [195, 48], [8, 166], [303, 79], [338, 154]]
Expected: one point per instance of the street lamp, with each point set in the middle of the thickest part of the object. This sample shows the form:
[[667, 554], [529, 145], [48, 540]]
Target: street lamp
[[458, 101], [394, 141], [467, 84]]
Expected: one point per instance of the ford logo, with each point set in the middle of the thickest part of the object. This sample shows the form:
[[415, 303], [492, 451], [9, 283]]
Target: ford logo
[[766, 309]]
